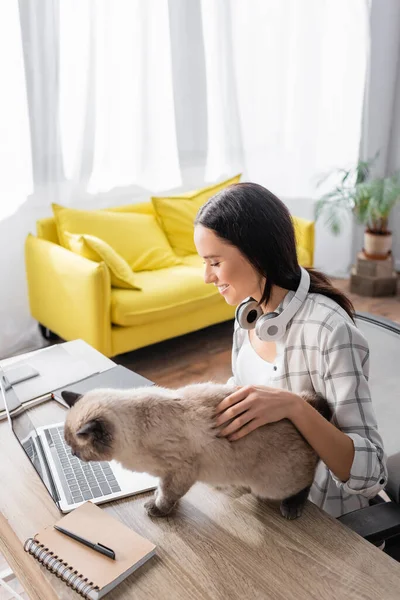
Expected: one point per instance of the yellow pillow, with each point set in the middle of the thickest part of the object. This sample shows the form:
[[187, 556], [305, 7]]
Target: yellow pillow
[[136, 237], [177, 213], [94, 248]]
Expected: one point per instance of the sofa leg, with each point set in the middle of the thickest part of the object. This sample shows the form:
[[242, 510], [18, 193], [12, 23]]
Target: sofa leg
[[47, 333]]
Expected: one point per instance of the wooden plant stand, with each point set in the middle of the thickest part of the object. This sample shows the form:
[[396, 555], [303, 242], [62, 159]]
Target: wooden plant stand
[[373, 277]]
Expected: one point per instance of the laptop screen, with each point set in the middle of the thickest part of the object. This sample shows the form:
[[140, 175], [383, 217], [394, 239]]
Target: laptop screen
[[25, 432]]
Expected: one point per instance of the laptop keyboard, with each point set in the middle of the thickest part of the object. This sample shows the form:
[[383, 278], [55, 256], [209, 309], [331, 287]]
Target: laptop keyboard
[[85, 480]]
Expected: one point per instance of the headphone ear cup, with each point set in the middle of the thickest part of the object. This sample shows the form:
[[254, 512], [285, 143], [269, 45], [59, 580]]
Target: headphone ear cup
[[247, 314], [266, 330]]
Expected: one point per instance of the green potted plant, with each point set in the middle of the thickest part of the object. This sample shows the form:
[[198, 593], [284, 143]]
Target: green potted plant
[[370, 199]]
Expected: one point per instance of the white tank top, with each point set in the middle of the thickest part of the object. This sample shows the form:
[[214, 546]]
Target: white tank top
[[251, 369]]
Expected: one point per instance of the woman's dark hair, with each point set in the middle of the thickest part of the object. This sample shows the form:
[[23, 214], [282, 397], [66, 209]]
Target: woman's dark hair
[[251, 218]]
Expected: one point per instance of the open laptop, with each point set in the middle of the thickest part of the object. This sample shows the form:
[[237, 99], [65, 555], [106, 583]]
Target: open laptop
[[70, 481]]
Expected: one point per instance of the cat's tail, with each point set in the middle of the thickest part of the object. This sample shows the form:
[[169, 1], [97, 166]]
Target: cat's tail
[[319, 403]]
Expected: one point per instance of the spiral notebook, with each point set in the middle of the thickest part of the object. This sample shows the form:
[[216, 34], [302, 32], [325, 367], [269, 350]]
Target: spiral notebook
[[86, 571]]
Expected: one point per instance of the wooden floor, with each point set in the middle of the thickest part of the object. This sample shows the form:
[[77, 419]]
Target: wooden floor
[[206, 355]]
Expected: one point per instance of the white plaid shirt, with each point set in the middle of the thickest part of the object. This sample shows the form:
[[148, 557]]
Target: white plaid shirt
[[323, 351]]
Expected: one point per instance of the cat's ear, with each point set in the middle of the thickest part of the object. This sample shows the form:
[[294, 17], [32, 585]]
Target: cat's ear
[[97, 430], [71, 398]]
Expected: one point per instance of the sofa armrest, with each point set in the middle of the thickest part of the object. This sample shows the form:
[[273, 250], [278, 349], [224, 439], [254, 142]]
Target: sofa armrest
[[375, 523], [305, 240], [69, 294]]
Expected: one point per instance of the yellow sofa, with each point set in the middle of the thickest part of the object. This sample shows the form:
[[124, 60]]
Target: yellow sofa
[[73, 297]]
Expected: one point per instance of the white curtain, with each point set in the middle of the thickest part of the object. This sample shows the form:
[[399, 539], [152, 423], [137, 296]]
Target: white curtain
[[16, 183], [100, 95], [130, 97], [116, 98], [15, 150], [285, 85]]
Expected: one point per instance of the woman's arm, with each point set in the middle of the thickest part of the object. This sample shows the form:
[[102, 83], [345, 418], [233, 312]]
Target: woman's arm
[[335, 448], [342, 379]]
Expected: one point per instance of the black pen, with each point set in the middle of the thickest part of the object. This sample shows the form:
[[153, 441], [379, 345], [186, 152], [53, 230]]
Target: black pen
[[98, 547]]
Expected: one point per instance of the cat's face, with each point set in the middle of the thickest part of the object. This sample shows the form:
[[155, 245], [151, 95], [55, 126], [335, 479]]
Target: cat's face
[[89, 427]]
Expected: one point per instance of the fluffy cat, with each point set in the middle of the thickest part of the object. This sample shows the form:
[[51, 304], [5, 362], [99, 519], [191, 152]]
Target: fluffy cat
[[171, 434]]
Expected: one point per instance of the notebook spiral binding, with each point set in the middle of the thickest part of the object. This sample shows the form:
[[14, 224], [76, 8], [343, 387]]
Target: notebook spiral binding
[[56, 565]]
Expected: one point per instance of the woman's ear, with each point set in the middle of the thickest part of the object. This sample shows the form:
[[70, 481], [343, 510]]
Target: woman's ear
[[71, 398]]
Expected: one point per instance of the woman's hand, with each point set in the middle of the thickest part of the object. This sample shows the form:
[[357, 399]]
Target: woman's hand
[[251, 407]]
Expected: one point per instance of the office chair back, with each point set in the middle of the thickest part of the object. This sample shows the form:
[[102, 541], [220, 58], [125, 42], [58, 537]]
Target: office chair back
[[383, 337]]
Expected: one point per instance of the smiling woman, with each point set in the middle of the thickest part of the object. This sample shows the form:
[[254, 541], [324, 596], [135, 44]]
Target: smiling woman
[[294, 333]]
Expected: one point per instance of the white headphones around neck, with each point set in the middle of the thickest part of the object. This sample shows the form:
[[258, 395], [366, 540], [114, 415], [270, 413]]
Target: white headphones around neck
[[271, 327]]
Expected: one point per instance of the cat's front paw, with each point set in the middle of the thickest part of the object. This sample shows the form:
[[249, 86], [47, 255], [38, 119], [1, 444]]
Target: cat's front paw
[[153, 510]]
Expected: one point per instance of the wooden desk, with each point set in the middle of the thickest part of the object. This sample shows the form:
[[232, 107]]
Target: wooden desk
[[218, 545]]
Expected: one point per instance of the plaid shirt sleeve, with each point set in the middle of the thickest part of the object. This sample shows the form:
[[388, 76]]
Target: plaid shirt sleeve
[[343, 378]]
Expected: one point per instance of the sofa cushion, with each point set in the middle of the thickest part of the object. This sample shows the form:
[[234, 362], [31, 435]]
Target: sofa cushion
[[136, 237], [169, 292], [177, 213], [94, 248]]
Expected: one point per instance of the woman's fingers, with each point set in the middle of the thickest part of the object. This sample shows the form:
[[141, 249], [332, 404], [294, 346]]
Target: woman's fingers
[[233, 411], [248, 428], [236, 424], [232, 399]]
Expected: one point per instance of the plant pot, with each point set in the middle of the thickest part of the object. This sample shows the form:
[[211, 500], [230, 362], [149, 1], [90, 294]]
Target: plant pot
[[377, 246]]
